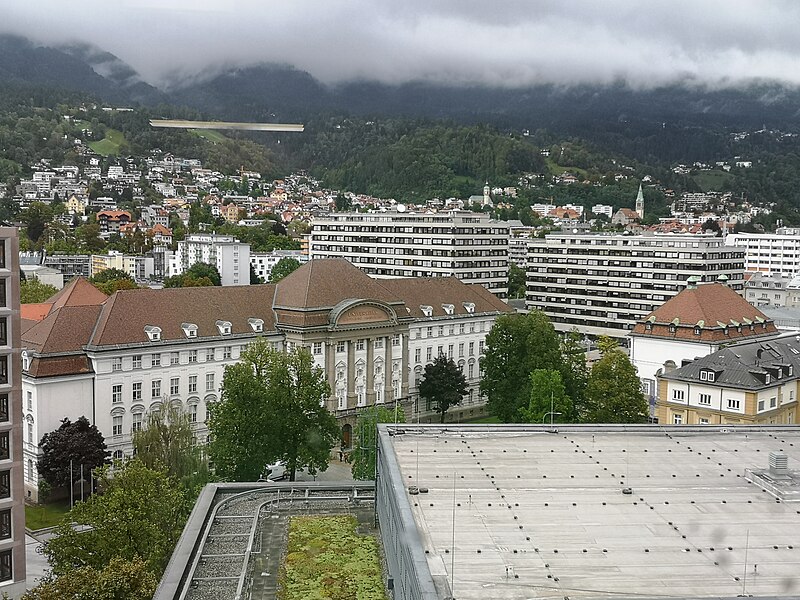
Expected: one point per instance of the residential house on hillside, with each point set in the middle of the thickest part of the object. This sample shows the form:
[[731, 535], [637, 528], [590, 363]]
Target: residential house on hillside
[[111, 220]]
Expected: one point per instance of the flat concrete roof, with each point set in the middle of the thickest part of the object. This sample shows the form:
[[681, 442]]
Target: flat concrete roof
[[542, 515]]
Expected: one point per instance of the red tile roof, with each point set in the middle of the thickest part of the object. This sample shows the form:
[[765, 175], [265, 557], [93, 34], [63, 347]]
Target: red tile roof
[[78, 292], [34, 312], [713, 308]]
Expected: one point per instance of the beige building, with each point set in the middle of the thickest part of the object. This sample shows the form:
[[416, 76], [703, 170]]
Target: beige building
[[750, 383]]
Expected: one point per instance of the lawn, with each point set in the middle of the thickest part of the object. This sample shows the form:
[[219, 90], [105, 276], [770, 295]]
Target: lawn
[[209, 134], [48, 515], [110, 144], [712, 180], [560, 170], [328, 559]]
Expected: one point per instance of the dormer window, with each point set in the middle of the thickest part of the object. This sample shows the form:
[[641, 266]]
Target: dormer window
[[697, 331], [26, 360], [709, 376], [257, 325], [648, 326], [189, 330], [767, 378], [224, 327], [790, 370], [153, 333], [469, 307], [672, 328], [426, 310], [448, 308]]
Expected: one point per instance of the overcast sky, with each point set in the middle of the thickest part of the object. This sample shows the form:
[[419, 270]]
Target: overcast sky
[[505, 42]]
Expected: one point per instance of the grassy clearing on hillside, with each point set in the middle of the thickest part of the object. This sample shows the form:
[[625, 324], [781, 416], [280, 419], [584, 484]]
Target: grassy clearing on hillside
[[48, 515], [110, 144], [560, 170], [209, 134], [712, 181], [326, 558]]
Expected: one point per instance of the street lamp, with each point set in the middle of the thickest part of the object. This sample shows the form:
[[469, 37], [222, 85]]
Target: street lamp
[[551, 414]]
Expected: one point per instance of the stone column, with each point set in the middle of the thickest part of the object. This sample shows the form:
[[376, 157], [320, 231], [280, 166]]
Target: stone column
[[404, 367], [388, 394], [330, 373], [370, 372], [351, 374]]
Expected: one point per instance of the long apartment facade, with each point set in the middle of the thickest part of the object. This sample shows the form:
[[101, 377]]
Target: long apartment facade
[[465, 245], [603, 284], [777, 253], [116, 359]]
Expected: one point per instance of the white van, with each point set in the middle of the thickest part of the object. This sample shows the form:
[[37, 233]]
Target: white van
[[274, 472]]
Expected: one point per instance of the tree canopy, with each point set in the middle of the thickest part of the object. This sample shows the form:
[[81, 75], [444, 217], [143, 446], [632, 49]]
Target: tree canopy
[[79, 442], [443, 385], [167, 442], [110, 280], [549, 401], [119, 580], [285, 266], [516, 346], [199, 270], [33, 291], [613, 393], [362, 458], [516, 282], [271, 409], [139, 513]]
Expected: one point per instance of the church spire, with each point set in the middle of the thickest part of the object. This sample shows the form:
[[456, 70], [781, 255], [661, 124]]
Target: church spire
[[640, 203]]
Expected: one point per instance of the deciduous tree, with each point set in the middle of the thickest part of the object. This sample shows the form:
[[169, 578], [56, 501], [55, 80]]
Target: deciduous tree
[[79, 442], [167, 442], [614, 394], [139, 513], [516, 346], [443, 385], [120, 580], [33, 291], [200, 270], [549, 400], [109, 281], [282, 268], [272, 408], [362, 458]]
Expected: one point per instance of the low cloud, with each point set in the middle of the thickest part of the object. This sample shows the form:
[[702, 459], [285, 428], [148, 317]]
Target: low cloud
[[513, 43]]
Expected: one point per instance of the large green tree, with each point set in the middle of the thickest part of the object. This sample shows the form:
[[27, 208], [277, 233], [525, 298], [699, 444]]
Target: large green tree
[[271, 409], [33, 291], [516, 346], [549, 401], [167, 442], [110, 280], [614, 393], [79, 442], [200, 270], [119, 580], [285, 266], [443, 385], [516, 282], [139, 513], [362, 458]]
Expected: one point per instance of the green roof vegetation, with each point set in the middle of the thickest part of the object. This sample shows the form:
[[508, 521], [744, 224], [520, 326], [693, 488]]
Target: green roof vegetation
[[328, 559]]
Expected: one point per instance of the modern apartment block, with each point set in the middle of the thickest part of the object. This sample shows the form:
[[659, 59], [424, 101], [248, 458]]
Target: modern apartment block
[[469, 246], [262, 263], [229, 255], [769, 252], [138, 267], [70, 265], [12, 501], [602, 284]]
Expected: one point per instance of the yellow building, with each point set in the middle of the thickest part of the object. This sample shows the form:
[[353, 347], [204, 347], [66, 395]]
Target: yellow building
[[75, 205], [749, 383]]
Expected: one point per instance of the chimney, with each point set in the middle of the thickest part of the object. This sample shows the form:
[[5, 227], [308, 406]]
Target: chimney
[[691, 283], [722, 278]]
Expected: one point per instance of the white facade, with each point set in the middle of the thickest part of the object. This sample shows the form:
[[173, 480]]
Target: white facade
[[465, 245], [263, 262], [769, 252], [230, 256], [648, 355], [602, 284]]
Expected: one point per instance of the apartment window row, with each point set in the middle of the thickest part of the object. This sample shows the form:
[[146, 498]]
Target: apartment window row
[[137, 360]]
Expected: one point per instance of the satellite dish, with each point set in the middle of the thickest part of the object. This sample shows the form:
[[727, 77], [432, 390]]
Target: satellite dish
[[401, 208]]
